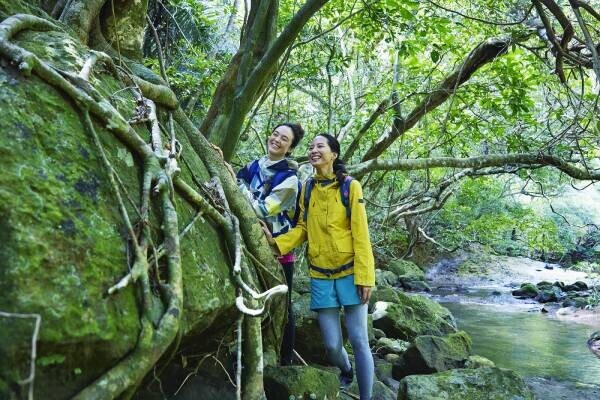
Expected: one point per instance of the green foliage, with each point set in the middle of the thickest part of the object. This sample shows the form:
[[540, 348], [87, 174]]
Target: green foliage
[[586, 266], [594, 298]]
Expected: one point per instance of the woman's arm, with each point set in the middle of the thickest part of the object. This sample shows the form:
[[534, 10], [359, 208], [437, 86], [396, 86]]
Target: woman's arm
[[296, 236], [364, 263]]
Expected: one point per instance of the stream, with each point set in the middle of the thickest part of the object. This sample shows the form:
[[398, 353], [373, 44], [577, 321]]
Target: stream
[[548, 352], [529, 343]]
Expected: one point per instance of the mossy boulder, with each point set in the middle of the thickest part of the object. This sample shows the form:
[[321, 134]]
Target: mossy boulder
[[383, 293], [429, 354], [476, 361], [543, 285], [386, 346], [526, 291], [416, 286], [577, 302], [412, 316], [550, 295], [385, 278], [308, 335], [406, 270], [576, 287], [465, 384], [300, 382], [64, 242]]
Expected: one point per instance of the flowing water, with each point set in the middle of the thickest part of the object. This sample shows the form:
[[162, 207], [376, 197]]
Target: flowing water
[[530, 343]]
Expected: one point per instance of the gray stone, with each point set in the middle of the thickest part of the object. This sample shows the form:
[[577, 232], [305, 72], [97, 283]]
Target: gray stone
[[302, 382], [465, 384], [412, 316], [429, 354], [386, 346]]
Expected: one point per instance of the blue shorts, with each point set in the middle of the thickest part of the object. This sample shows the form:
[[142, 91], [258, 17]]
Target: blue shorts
[[326, 293]]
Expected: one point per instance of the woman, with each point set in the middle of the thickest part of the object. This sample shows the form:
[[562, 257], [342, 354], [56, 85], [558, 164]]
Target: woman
[[340, 258], [271, 185]]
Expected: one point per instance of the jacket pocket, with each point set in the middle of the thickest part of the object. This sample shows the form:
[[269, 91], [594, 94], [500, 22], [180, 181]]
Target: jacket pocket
[[313, 250], [344, 245]]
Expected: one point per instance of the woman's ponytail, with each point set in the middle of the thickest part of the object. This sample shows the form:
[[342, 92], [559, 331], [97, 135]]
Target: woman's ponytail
[[340, 170]]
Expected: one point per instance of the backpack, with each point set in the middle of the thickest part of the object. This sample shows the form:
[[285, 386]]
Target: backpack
[[344, 193], [267, 186]]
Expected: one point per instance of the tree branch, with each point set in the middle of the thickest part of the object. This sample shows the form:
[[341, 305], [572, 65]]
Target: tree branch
[[478, 57], [493, 160]]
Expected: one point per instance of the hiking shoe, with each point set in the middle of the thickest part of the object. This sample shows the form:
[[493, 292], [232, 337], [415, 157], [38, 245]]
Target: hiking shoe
[[346, 378]]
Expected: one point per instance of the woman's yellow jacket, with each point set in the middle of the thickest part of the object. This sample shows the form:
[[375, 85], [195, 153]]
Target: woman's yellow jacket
[[333, 238]]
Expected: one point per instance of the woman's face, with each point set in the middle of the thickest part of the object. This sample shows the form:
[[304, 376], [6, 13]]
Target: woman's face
[[320, 154], [280, 142]]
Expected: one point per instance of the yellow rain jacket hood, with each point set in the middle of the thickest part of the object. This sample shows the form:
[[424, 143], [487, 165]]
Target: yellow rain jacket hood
[[333, 238]]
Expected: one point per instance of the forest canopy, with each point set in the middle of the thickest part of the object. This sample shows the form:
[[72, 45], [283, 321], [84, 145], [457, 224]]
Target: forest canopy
[[467, 89]]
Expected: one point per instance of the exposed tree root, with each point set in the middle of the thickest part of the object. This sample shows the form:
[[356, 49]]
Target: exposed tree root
[[159, 178]]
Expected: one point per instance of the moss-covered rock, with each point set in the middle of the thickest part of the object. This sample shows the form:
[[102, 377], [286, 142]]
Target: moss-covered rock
[[386, 346], [429, 354], [473, 267], [465, 384], [526, 291], [578, 302], [385, 278], [406, 270], [412, 316], [308, 335], [63, 239], [476, 361], [300, 382], [383, 293]]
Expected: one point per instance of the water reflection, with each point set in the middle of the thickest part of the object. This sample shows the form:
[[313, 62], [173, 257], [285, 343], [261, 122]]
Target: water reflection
[[529, 343]]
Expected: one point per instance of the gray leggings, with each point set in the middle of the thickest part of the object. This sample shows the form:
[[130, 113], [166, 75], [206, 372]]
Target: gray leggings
[[356, 325]]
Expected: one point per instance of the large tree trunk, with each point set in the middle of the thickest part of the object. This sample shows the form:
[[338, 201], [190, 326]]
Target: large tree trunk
[[250, 70]]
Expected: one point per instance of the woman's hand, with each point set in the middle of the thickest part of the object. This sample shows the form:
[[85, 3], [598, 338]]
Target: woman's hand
[[364, 292], [267, 232]]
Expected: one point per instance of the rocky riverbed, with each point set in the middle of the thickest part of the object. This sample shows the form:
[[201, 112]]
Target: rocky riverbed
[[524, 334]]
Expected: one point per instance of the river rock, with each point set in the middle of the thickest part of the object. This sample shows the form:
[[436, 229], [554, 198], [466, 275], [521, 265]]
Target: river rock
[[550, 295], [526, 291], [576, 287], [380, 391], [578, 302], [544, 285], [411, 277], [300, 382], [476, 361], [386, 346], [416, 286], [559, 284], [385, 278], [429, 354], [465, 384], [412, 316], [378, 333], [308, 335], [383, 293]]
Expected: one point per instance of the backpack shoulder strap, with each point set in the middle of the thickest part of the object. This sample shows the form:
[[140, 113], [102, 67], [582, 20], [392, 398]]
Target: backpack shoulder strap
[[254, 170], [307, 191], [345, 193]]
